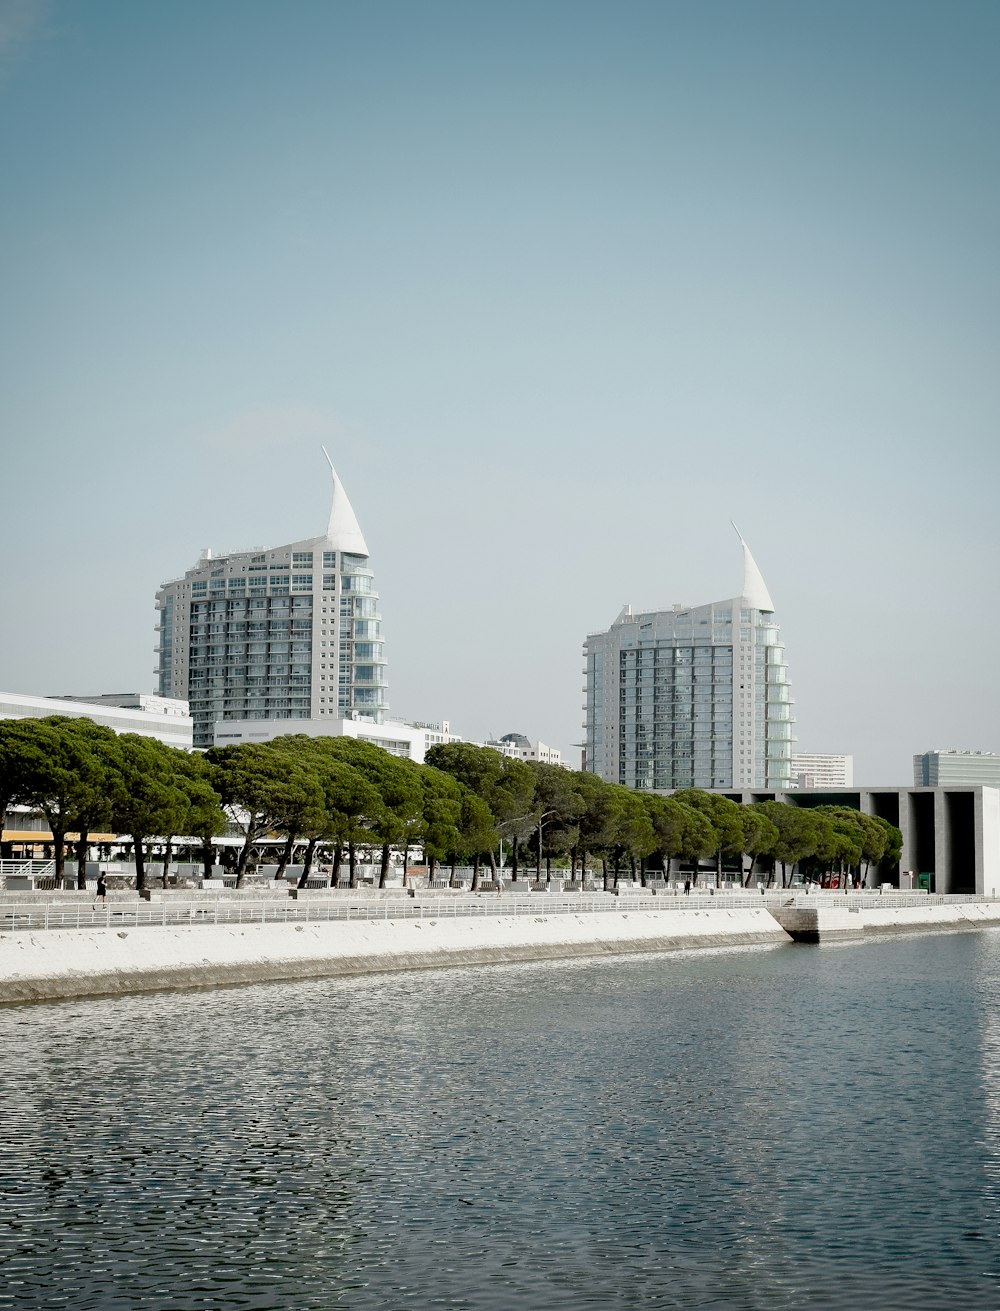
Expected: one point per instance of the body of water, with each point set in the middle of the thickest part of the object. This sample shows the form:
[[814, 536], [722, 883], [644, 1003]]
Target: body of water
[[769, 1128]]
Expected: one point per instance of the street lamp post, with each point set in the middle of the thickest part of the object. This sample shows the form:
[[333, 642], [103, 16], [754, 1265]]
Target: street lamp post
[[541, 820]]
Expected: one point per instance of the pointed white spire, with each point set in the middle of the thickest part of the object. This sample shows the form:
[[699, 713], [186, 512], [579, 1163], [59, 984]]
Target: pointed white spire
[[343, 531], [755, 591]]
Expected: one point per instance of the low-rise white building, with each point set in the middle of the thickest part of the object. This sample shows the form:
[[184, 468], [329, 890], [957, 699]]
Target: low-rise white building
[[412, 741], [822, 770], [518, 747], [125, 712]]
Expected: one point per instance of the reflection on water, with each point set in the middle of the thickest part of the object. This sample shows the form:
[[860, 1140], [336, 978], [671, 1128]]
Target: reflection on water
[[736, 1129]]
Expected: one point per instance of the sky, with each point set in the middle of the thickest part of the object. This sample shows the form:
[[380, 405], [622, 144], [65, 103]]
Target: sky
[[564, 287]]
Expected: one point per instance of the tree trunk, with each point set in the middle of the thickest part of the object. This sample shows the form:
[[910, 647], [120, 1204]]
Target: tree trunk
[[606, 872], [475, 872], [286, 855], [82, 848], [513, 861], [338, 856], [307, 864], [241, 864], [140, 863], [168, 852], [383, 874], [548, 868], [538, 861], [58, 846], [454, 857], [352, 864], [431, 866], [718, 868]]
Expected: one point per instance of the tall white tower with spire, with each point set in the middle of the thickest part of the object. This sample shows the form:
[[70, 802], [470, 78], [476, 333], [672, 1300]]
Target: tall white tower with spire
[[694, 696], [282, 632]]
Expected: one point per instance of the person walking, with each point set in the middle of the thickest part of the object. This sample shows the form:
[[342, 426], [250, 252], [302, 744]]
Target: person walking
[[499, 878], [102, 888]]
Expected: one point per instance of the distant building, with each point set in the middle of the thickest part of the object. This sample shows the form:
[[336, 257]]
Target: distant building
[[822, 771], [518, 747], [287, 632], [955, 768], [411, 741], [125, 712], [951, 833], [696, 696]]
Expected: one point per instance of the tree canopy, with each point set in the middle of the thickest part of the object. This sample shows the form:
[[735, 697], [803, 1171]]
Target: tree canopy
[[461, 805]]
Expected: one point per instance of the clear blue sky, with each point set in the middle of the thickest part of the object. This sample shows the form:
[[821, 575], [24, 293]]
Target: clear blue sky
[[563, 287]]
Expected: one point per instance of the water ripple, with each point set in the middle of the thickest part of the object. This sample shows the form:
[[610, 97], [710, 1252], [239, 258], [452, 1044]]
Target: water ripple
[[719, 1130]]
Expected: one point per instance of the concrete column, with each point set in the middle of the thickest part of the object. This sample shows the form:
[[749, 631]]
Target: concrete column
[[907, 826], [942, 843], [988, 841]]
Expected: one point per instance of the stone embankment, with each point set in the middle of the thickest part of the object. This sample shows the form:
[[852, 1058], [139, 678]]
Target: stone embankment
[[44, 964]]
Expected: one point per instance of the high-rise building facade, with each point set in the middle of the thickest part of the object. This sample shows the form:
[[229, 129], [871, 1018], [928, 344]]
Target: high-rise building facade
[[286, 632], [691, 697]]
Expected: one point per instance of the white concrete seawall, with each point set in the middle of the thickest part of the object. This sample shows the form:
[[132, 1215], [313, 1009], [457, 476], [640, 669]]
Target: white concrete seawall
[[819, 922], [56, 963]]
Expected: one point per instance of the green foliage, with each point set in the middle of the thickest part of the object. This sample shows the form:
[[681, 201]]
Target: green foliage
[[263, 789], [507, 786], [399, 815], [760, 834], [680, 830], [345, 792], [69, 780], [893, 842], [442, 814], [798, 832], [146, 797], [22, 758]]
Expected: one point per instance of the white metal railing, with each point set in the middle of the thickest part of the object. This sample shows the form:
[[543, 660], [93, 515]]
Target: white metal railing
[[61, 915], [27, 868], [15, 915]]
